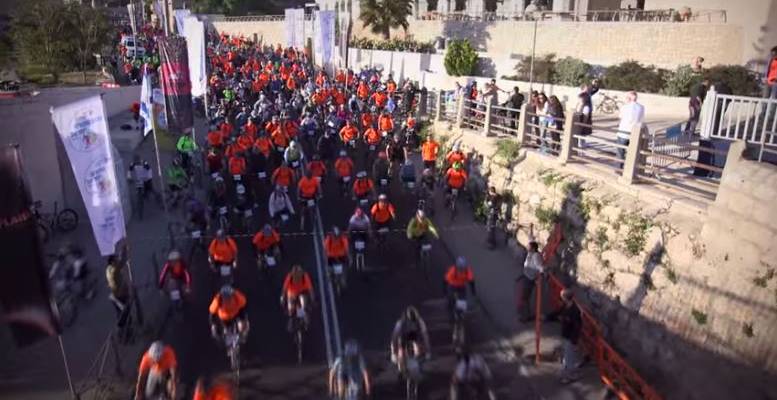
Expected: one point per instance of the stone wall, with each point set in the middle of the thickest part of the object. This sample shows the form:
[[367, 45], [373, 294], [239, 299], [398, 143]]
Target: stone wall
[[697, 326], [603, 43], [271, 32]]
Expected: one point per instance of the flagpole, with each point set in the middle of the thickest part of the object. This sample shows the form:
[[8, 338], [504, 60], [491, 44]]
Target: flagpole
[[67, 368], [158, 160]]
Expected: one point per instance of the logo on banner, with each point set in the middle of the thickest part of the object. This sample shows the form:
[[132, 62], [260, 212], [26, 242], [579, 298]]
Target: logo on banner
[[97, 180], [83, 136], [110, 221]]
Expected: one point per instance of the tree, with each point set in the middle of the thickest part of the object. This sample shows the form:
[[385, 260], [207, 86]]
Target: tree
[[382, 15], [461, 58], [90, 32], [41, 35]]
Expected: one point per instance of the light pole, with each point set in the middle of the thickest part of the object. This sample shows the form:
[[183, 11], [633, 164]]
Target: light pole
[[531, 65]]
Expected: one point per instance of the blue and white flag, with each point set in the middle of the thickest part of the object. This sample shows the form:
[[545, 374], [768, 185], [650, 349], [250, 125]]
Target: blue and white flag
[[146, 105], [83, 127]]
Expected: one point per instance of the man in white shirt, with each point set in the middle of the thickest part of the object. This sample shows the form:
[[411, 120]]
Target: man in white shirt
[[532, 270], [631, 114]]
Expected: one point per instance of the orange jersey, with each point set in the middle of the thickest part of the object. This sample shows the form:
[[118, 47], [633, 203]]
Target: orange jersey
[[237, 165], [349, 133], [227, 309], [456, 179], [283, 176], [367, 120], [294, 288], [385, 123], [343, 166], [167, 362], [223, 251], [372, 136], [382, 213], [263, 242], [280, 139], [317, 168], [429, 150], [308, 187], [336, 247], [459, 279], [263, 144]]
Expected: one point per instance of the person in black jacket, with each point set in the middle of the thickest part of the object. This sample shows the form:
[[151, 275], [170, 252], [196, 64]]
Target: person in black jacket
[[571, 326]]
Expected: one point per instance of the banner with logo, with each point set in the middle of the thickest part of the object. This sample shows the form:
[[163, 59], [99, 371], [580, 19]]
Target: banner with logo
[[180, 16], [342, 41], [146, 105], [194, 32], [295, 29], [325, 36], [24, 284], [158, 100], [176, 84], [83, 128]]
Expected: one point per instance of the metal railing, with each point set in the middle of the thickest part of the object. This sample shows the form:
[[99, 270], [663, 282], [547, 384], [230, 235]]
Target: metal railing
[[505, 120], [597, 150], [473, 114], [543, 133], [751, 119], [624, 15]]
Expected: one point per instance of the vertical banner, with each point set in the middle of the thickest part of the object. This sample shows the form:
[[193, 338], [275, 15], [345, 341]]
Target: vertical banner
[[299, 28], [176, 84], [345, 27], [83, 127], [194, 32], [133, 19], [180, 15], [146, 105], [289, 21], [326, 36], [24, 284], [158, 100]]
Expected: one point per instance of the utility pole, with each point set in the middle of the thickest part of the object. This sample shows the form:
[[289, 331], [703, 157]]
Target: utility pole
[[533, 48]]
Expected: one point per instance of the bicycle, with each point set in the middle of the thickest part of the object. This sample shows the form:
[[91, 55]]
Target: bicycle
[[459, 307], [308, 207], [360, 247], [425, 256], [65, 220], [297, 326], [609, 105], [451, 202]]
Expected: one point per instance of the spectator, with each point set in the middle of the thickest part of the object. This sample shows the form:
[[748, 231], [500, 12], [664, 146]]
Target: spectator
[[697, 92], [632, 114], [771, 75], [696, 65], [555, 123], [120, 295], [584, 110], [532, 271], [541, 111], [571, 326], [516, 102]]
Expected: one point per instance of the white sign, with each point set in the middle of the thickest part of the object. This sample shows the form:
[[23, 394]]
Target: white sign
[[83, 128], [325, 36], [194, 32]]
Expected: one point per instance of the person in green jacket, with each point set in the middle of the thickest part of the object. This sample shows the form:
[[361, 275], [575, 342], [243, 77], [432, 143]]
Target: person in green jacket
[[186, 147], [420, 226]]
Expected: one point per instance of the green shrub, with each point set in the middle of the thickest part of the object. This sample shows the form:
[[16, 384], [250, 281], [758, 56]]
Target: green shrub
[[507, 149], [461, 58], [742, 81], [394, 44], [546, 217], [544, 69], [699, 316], [631, 75], [571, 72], [681, 81]]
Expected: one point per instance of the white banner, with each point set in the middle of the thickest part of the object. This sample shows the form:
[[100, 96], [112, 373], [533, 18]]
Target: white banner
[[146, 105], [158, 98], [325, 36], [299, 28], [83, 128], [289, 22], [344, 24], [180, 16], [194, 32]]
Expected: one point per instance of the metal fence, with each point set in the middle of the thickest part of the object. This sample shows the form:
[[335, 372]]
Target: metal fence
[[473, 114]]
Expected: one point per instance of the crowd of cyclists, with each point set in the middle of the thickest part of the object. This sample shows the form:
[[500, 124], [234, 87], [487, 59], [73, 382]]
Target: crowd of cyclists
[[279, 131]]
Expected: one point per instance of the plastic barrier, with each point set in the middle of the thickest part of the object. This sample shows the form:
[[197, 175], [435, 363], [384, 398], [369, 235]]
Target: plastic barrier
[[615, 372]]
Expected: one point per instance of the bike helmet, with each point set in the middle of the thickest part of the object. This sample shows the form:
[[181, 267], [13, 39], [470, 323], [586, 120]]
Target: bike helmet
[[336, 230], [461, 262], [361, 174], [174, 255], [427, 172], [382, 197], [241, 189], [420, 214], [156, 350], [226, 291], [293, 144], [316, 157], [351, 348], [343, 153], [220, 234]]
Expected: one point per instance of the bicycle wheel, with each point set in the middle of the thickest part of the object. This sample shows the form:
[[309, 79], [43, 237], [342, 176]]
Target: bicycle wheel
[[66, 305], [67, 220]]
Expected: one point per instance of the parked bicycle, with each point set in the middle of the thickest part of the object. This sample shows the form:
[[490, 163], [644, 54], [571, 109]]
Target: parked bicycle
[[609, 105], [65, 220]]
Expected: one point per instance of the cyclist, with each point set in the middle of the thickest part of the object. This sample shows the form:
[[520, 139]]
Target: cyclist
[[157, 373], [176, 180], [221, 388], [396, 152], [455, 155], [176, 270], [410, 332], [222, 250], [297, 290], [294, 156], [283, 176], [344, 167], [317, 167], [420, 226], [385, 124], [218, 195], [280, 203], [373, 138], [429, 152], [268, 240], [214, 161], [228, 307], [380, 168], [471, 372], [308, 188], [336, 247], [139, 172], [456, 178], [196, 215], [349, 372], [349, 134], [407, 172], [359, 226], [326, 145], [427, 179], [457, 278], [382, 212], [250, 128], [215, 139], [237, 166], [363, 186], [368, 118]]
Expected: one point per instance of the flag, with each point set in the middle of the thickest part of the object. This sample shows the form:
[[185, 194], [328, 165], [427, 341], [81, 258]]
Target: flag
[[24, 285], [83, 127], [194, 32], [176, 84], [179, 16], [146, 105]]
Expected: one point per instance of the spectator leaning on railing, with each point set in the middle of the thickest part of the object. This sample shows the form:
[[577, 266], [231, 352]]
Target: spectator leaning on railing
[[632, 113], [771, 75]]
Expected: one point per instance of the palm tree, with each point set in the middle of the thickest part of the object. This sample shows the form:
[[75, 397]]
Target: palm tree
[[382, 15]]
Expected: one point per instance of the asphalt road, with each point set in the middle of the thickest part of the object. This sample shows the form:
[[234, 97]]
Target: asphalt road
[[366, 311]]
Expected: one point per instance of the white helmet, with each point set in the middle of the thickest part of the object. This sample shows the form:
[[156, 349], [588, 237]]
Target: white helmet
[[241, 189]]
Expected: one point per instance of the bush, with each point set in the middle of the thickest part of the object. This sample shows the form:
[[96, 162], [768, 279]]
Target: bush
[[507, 149], [571, 72], [631, 75], [742, 81], [461, 58], [395, 44], [681, 81], [544, 69]]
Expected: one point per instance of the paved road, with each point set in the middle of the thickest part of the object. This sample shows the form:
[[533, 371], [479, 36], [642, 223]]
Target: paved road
[[366, 311]]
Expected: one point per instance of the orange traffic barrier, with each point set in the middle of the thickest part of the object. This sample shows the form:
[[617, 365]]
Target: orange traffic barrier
[[615, 372]]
